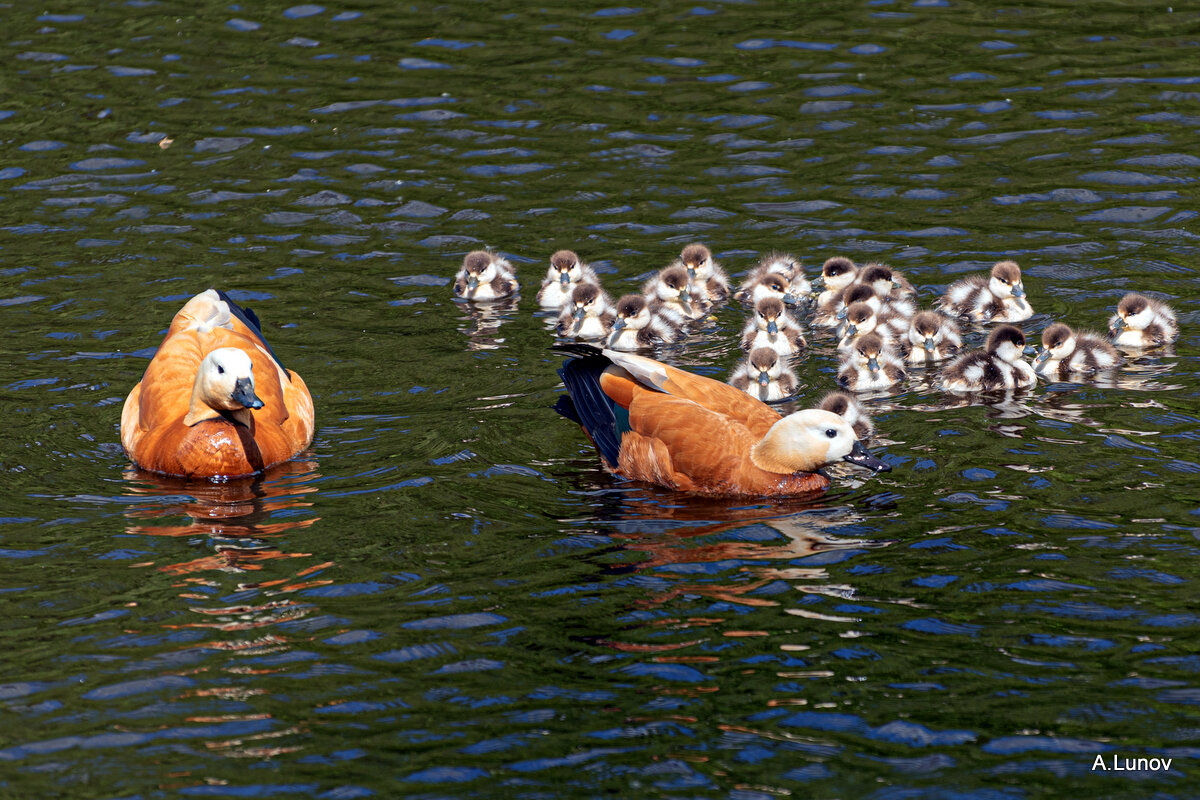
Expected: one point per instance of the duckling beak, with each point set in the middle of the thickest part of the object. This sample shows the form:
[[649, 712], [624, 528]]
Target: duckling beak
[[862, 457], [1041, 358], [873, 364], [618, 325], [1018, 290], [789, 298], [564, 278], [851, 330], [472, 283], [929, 343], [763, 378], [579, 314], [842, 312], [772, 327], [691, 273], [243, 392], [817, 282], [1119, 324], [895, 283]]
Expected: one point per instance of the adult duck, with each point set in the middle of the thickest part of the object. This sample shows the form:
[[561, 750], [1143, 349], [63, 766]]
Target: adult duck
[[215, 400], [652, 422]]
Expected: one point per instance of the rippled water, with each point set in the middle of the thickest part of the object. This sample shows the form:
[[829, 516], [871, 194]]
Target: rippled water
[[446, 596]]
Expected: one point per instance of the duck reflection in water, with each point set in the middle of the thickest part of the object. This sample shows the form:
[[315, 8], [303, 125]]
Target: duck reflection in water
[[481, 322], [238, 517]]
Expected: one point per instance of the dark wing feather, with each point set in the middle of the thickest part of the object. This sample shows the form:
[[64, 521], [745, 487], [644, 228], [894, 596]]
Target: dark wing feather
[[589, 406], [250, 320]]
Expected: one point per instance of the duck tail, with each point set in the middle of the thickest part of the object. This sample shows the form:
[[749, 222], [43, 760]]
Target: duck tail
[[586, 404]]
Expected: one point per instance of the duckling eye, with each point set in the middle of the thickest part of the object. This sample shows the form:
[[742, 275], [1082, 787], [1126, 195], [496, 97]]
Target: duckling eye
[[831, 433]]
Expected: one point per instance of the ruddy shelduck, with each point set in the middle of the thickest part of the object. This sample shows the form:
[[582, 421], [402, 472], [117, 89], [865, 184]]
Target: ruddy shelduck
[[215, 401], [652, 422]]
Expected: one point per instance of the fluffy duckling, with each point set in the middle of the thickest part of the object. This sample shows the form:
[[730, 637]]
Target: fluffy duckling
[[1142, 321], [862, 319], [783, 265], [932, 337], [999, 365], [833, 313], [589, 314], [870, 364], [891, 286], [670, 293], [771, 326], [485, 276], [636, 326], [848, 407], [565, 273], [836, 273], [763, 374], [998, 298], [709, 280], [1066, 353]]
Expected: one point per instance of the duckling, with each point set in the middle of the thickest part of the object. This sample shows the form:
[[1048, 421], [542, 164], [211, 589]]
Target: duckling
[[485, 276], [670, 293], [837, 273], [709, 280], [833, 313], [784, 265], [1142, 321], [932, 337], [848, 407], [862, 319], [771, 326], [999, 298], [589, 314], [773, 285], [998, 366], [636, 326], [891, 286], [565, 273], [763, 374], [1066, 353], [871, 363]]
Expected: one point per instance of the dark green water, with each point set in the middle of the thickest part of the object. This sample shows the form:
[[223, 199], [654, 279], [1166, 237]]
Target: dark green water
[[447, 597]]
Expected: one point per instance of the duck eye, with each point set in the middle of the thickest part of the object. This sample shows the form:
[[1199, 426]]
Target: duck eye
[[220, 370], [831, 433]]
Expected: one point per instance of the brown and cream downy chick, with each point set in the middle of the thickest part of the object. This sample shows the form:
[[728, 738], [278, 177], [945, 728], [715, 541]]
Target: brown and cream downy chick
[[772, 326], [1142, 322], [795, 286], [636, 326], [848, 407], [588, 314], [709, 280], [565, 273], [869, 364], [1000, 297], [670, 293], [485, 276], [833, 313], [1000, 365], [764, 374], [889, 284], [1068, 354], [836, 274], [862, 319], [932, 337]]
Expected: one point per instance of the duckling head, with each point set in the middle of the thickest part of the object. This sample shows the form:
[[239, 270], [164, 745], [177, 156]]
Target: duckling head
[[673, 285], [765, 362], [585, 299], [855, 293], [1006, 280], [767, 313], [632, 312], [567, 265], [926, 330], [480, 267], [810, 439], [867, 348], [697, 260], [1007, 343], [1134, 311], [838, 272], [1058, 342], [778, 285], [879, 277], [224, 383], [860, 319]]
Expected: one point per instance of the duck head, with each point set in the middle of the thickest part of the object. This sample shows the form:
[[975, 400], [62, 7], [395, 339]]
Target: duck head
[[479, 267], [810, 439], [1134, 311], [879, 278], [224, 387], [767, 313], [926, 330], [1005, 280], [632, 312], [837, 273], [1058, 342], [860, 319], [1007, 343], [697, 260], [566, 263]]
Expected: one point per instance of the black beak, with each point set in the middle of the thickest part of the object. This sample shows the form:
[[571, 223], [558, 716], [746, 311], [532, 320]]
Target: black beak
[[860, 456], [243, 392]]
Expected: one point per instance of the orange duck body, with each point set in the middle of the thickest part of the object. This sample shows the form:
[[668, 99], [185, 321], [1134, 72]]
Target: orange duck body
[[655, 423], [168, 427]]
